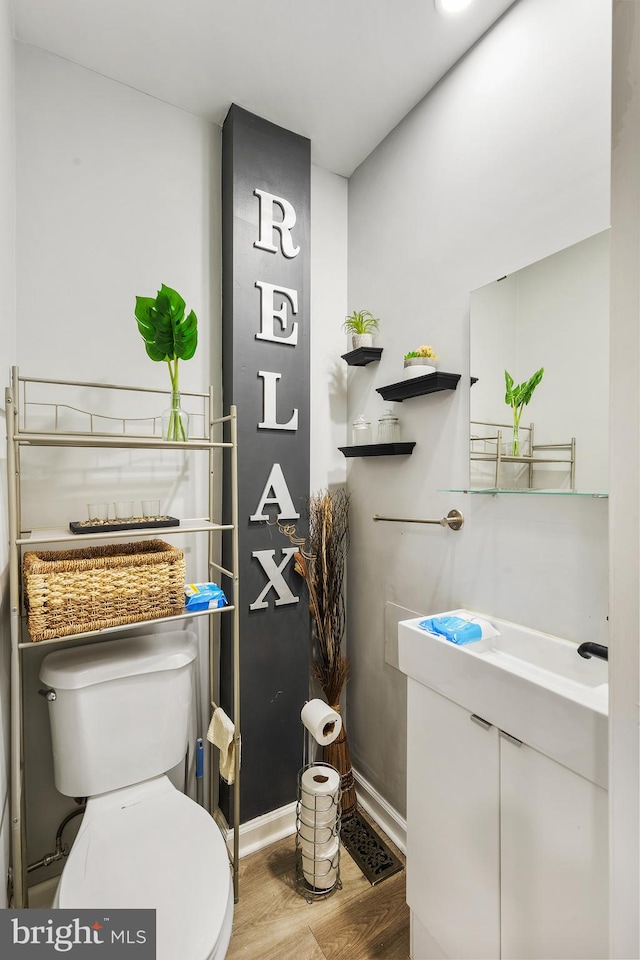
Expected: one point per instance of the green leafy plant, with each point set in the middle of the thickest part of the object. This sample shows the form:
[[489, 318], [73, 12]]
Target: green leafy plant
[[360, 321], [168, 336], [427, 352], [517, 396]]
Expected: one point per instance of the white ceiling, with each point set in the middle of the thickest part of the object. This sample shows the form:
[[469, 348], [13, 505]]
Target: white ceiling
[[341, 72]]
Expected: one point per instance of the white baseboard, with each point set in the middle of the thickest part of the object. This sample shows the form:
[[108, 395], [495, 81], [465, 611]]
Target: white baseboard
[[265, 830], [381, 812]]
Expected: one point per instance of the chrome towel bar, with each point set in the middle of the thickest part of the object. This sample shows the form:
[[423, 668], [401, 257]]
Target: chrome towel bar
[[454, 520]]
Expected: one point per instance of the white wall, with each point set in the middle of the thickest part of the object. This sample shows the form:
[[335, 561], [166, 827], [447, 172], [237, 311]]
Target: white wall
[[118, 192], [328, 309], [505, 162], [7, 358]]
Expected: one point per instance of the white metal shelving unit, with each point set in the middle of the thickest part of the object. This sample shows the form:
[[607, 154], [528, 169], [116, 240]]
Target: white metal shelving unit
[[488, 447], [116, 433]]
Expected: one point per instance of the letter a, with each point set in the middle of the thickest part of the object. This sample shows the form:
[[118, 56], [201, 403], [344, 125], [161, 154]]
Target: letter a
[[281, 496]]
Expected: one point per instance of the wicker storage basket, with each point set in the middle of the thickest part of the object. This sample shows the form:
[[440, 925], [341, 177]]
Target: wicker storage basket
[[74, 591]]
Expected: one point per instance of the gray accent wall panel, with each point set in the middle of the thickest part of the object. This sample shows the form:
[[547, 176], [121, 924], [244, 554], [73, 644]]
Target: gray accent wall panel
[[266, 374]]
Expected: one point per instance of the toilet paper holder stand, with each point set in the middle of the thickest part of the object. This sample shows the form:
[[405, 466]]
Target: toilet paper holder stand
[[317, 830]]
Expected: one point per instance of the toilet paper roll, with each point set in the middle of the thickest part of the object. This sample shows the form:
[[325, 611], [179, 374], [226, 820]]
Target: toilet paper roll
[[320, 786], [323, 877], [319, 850], [321, 873], [315, 819], [323, 723], [314, 833]]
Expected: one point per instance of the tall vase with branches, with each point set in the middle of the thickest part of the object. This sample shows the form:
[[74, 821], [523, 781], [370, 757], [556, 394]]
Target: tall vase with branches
[[321, 562]]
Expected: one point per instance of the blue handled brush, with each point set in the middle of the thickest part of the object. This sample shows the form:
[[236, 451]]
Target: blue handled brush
[[199, 770]]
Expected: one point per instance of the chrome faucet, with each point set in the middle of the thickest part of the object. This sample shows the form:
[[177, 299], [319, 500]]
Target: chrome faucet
[[588, 650]]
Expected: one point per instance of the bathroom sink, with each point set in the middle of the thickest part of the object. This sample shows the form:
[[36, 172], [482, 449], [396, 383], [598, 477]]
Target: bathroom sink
[[545, 658], [531, 685]]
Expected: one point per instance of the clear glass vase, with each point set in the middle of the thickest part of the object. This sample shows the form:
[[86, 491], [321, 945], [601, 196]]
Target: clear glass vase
[[515, 442], [175, 420]]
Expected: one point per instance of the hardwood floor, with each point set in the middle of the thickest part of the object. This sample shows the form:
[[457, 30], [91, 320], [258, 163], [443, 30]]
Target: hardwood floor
[[273, 921]]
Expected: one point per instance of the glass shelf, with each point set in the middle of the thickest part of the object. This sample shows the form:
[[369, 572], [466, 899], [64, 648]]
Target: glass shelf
[[493, 491]]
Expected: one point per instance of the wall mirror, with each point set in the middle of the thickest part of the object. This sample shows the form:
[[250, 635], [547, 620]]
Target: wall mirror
[[552, 314]]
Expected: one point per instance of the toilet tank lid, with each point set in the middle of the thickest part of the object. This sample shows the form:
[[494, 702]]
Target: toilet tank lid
[[128, 657]]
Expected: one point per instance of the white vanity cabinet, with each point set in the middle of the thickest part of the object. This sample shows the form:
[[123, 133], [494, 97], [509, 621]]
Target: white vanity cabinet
[[506, 848], [453, 826], [553, 859], [507, 820]]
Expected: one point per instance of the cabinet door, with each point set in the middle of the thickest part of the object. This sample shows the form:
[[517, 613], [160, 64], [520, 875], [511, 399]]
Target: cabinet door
[[554, 859], [453, 826]]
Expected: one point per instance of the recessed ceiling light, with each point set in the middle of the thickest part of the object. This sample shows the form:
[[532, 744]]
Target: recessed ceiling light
[[451, 7]]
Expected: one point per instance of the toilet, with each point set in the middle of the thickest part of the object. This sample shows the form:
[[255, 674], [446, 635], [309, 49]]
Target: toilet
[[119, 722]]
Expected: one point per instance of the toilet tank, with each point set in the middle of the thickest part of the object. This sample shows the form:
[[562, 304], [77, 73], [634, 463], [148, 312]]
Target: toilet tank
[[121, 710]]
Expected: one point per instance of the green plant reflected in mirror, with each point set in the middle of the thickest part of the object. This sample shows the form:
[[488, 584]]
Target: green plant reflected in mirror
[[539, 343]]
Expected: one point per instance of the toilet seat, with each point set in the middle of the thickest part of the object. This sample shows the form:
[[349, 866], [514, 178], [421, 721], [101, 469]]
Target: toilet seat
[[151, 846]]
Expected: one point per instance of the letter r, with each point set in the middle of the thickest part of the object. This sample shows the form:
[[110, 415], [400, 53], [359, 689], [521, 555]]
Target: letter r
[[268, 224]]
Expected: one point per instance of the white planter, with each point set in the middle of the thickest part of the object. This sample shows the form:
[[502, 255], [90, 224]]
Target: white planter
[[419, 367], [361, 340]]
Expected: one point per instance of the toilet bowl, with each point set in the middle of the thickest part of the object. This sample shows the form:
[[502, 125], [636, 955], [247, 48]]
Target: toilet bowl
[[150, 846], [142, 843]]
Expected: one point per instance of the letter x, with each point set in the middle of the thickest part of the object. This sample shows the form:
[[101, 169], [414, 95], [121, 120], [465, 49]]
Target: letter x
[[275, 578]]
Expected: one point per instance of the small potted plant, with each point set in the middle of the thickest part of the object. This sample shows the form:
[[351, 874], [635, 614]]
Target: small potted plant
[[361, 324], [420, 362]]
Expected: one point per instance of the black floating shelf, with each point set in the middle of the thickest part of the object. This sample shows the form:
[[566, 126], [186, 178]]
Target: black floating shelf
[[418, 386], [379, 449], [362, 356]]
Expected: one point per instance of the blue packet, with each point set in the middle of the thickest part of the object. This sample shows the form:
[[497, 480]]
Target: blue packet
[[456, 629], [203, 596]]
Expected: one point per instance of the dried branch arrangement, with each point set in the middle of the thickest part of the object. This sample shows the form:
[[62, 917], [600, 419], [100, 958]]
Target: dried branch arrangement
[[321, 562]]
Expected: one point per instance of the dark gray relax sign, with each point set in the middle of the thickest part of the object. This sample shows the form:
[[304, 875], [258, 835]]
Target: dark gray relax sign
[[265, 284], [79, 934]]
